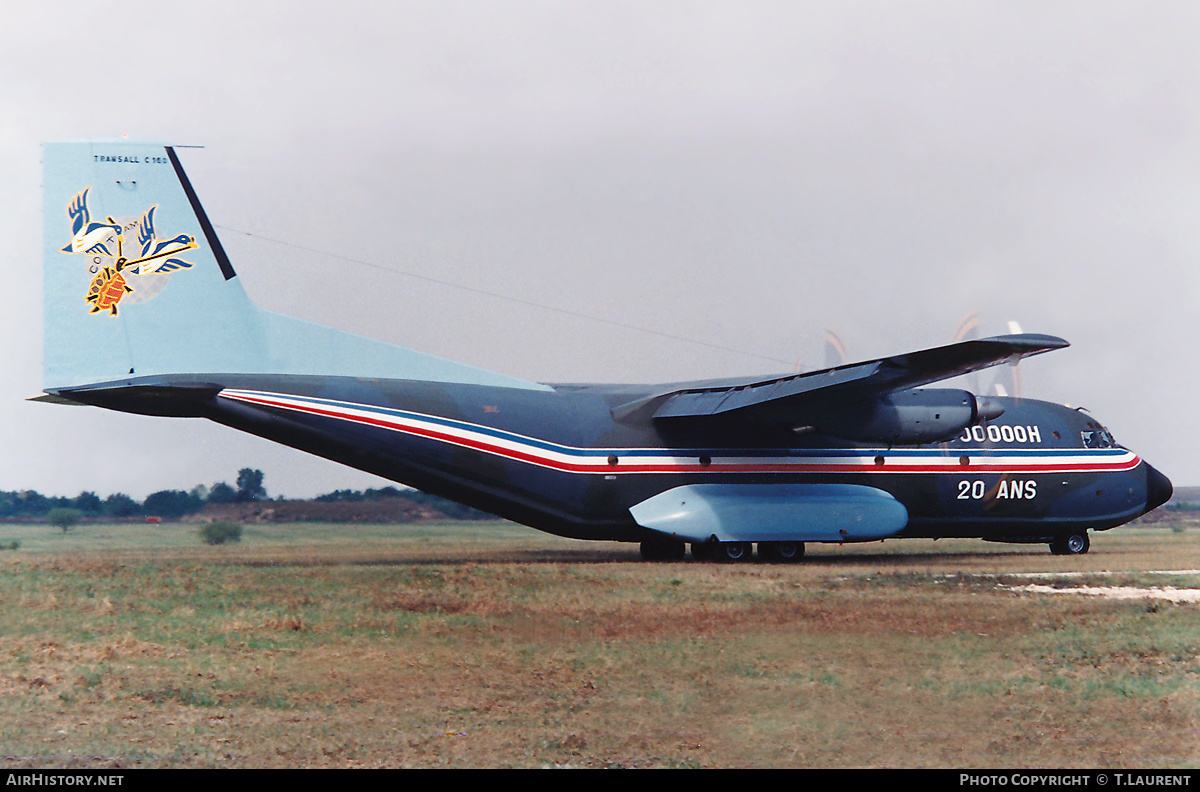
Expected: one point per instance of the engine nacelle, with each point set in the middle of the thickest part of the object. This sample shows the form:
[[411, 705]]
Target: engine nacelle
[[906, 417]]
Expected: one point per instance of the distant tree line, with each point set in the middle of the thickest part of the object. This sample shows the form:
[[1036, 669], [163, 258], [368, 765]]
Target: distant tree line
[[173, 504], [447, 507], [164, 503]]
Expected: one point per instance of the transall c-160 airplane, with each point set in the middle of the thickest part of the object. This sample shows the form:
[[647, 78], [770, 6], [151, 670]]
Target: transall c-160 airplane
[[144, 314]]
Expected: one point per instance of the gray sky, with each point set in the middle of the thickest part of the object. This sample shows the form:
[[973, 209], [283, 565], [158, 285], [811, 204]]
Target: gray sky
[[714, 182]]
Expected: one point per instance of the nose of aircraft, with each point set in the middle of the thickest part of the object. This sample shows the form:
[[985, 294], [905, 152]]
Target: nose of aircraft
[[1158, 488]]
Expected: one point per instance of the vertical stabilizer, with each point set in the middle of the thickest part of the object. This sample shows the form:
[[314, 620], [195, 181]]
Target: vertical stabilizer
[[137, 283]]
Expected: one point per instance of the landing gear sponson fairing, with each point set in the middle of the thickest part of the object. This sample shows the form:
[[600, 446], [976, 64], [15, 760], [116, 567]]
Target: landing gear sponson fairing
[[144, 314]]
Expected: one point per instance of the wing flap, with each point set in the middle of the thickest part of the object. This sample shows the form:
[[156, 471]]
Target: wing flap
[[713, 401], [771, 398]]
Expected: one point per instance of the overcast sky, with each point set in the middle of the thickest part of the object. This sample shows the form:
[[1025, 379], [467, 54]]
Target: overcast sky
[[635, 191]]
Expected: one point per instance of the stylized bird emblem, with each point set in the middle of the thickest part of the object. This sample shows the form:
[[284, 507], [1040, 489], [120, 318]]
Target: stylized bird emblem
[[88, 236], [115, 262], [158, 252]]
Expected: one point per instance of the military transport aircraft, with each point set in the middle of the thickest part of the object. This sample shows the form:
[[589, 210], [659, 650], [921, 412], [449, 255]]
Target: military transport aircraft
[[144, 314]]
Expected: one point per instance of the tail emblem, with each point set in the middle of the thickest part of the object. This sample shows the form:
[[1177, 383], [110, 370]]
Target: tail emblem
[[150, 259]]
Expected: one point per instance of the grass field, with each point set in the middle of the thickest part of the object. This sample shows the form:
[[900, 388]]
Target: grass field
[[490, 645]]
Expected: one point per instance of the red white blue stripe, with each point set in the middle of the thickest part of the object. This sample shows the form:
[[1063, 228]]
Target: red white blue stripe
[[611, 461]]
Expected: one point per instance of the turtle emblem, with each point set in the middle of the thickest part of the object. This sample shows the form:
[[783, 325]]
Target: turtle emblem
[[123, 252], [107, 289]]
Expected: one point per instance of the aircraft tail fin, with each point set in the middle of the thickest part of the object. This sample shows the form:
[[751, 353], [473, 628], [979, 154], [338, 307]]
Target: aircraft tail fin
[[137, 283]]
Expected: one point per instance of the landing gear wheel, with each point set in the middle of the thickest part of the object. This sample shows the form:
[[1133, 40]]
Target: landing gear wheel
[[1071, 544], [662, 550], [731, 552], [781, 552]]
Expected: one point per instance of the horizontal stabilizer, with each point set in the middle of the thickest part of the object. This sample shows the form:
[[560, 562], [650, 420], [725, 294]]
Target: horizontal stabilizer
[[773, 513], [51, 398], [160, 396]]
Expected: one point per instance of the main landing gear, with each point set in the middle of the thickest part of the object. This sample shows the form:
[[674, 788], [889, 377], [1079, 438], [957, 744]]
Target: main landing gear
[[663, 550], [1070, 543], [1073, 543], [723, 552]]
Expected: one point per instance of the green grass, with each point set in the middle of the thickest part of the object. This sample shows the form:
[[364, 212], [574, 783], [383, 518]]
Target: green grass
[[490, 645]]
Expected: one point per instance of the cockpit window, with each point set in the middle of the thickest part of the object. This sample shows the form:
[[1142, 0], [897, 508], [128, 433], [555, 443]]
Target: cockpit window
[[1098, 438]]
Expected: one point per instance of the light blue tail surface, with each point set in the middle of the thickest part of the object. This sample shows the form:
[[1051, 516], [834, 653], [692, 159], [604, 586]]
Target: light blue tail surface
[[136, 283]]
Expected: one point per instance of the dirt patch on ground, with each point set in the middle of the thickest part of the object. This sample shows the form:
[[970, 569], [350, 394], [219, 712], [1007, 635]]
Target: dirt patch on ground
[[1119, 592]]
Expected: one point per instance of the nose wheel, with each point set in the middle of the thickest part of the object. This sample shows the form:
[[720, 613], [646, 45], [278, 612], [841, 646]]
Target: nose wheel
[[1074, 543]]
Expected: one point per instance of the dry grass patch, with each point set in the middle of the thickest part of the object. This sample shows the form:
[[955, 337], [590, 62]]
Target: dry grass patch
[[318, 653]]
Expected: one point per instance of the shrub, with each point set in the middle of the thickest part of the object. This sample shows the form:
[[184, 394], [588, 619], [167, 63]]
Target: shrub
[[215, 533], [64, 518]]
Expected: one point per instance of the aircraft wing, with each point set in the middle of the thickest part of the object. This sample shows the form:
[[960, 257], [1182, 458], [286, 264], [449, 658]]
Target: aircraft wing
[[783, 398]]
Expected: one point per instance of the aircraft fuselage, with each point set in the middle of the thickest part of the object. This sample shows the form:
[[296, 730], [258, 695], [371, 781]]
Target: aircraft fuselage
[[561, 461]]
